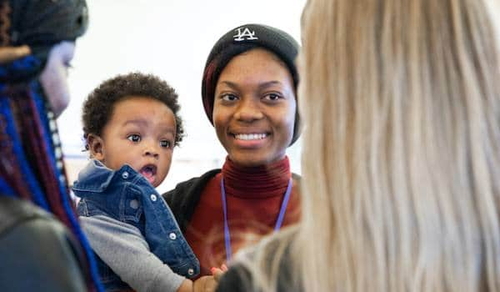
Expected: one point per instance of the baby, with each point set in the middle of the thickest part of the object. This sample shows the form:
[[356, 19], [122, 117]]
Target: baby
[[131, 125]]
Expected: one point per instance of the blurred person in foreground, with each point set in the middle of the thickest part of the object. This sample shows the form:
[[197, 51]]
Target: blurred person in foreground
[[41, 244], [401, 153]]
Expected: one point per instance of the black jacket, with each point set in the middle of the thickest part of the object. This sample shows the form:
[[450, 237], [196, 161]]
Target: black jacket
[[37, 252]]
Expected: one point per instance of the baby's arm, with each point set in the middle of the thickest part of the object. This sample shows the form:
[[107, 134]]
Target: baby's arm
[[123, 248]]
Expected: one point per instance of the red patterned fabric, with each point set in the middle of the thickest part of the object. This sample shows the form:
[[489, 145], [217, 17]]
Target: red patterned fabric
[[254, 197]]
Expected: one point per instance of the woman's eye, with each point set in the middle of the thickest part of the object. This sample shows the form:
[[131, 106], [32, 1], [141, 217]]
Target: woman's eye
[[165, 144], [134, 138], [68, 65], [272, 96], [67, 68], [229, 97]]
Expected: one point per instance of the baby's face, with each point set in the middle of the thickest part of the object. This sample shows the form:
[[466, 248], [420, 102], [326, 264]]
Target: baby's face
[[140, 133]]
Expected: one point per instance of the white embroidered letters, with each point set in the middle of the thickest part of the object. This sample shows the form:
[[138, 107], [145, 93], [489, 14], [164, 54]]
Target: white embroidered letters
[[244, 34]]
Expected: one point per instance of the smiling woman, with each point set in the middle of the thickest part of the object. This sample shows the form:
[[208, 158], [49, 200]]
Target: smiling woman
[[254, 108], [249, 95]]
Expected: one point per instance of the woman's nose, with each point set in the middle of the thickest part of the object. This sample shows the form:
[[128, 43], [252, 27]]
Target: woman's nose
[[249, 110]]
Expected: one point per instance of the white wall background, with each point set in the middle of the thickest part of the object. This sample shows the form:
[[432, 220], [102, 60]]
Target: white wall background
[[171, 39]]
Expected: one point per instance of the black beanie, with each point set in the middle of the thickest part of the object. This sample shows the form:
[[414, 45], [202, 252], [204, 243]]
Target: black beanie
[[41, 24], [239, 40]]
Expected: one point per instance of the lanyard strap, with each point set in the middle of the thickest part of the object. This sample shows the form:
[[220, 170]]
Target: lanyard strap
[[279, 221]]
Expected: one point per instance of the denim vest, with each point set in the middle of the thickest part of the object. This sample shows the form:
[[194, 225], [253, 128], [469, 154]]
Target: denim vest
[[127, 196]]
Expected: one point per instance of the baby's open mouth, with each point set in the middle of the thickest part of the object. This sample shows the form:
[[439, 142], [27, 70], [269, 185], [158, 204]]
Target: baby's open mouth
[[149, 172]]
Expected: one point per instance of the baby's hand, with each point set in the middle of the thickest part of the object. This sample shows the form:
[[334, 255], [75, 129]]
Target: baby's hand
[[209, 283], [205, 284], [217, 273]]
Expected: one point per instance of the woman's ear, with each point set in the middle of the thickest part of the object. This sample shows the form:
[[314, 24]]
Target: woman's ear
[[95, 144]]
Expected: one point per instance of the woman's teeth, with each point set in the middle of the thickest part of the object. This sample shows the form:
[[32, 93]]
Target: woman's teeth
[[250, 136]]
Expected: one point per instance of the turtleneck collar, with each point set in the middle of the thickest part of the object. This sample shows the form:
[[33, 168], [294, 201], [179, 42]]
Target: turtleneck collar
[[256, 182]]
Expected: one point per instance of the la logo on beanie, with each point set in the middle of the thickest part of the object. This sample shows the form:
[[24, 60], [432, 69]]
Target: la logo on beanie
[[244, 34]]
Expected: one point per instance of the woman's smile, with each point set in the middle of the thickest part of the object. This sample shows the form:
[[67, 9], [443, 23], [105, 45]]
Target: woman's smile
[[250, 140]]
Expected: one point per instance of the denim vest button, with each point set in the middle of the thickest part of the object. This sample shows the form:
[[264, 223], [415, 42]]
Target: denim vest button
[[172, 236], [153, 198], [190, 272], [125, 175], [134, 204]]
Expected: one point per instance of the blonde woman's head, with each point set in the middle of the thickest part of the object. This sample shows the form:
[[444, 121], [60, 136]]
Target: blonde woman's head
[[401, 150], [401, 161]]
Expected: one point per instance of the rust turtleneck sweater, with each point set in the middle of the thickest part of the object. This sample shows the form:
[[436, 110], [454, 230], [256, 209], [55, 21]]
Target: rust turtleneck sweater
[[253, 196]]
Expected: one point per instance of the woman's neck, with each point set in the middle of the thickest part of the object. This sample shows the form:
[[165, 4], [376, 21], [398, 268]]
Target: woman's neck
[[256, 182]]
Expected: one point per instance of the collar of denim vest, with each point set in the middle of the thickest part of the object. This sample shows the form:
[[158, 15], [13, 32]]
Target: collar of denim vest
[[96, 177]]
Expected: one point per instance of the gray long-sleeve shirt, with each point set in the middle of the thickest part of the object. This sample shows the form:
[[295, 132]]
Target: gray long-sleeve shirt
[[123, 248]]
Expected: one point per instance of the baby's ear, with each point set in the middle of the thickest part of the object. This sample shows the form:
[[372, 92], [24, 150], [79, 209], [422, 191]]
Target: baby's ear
[[95, 144]]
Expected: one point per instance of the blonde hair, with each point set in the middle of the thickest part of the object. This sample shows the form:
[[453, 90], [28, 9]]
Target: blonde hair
[[401, 148]]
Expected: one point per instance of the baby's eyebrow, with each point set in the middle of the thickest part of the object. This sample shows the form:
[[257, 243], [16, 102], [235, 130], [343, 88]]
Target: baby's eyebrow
[[141, 122], [164, 127], [168, 129]]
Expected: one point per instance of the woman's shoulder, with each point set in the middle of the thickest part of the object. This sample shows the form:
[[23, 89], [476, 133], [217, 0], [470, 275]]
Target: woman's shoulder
[[191, 186]]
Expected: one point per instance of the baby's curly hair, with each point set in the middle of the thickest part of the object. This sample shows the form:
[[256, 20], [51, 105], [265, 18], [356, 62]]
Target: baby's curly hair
[[98, 107]]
